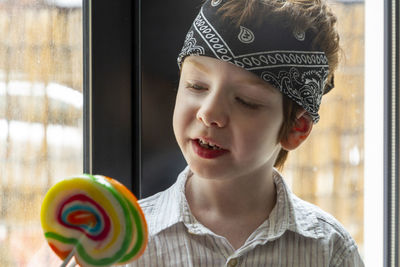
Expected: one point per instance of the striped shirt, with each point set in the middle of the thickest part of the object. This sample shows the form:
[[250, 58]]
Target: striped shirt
[[296, 234]]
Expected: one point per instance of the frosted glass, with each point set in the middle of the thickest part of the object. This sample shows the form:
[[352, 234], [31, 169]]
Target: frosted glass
[[41, 134]]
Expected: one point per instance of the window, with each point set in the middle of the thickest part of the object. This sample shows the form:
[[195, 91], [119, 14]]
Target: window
[[41, 104], [50, 127]]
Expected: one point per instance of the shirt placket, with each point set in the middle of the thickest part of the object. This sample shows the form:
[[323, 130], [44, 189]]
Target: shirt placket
[[233, 261]]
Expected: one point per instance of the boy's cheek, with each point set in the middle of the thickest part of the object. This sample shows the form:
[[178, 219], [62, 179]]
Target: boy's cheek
[[180, 119]]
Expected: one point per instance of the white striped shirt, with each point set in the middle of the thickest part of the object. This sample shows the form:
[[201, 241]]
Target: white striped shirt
[[296, 234]]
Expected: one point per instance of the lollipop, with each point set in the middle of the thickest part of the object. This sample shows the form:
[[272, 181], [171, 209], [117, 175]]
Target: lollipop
[[97, 218]]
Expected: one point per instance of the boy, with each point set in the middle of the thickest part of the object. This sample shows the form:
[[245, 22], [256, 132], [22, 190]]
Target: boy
[[252, 76]]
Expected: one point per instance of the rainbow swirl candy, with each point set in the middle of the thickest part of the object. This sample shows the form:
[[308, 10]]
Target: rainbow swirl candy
[[98, 217]]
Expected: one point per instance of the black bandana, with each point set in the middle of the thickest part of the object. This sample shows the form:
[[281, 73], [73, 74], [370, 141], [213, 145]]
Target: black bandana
[[279, 55]]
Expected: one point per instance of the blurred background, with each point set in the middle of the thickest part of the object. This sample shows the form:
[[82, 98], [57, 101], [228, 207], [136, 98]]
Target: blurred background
[[41, 115]]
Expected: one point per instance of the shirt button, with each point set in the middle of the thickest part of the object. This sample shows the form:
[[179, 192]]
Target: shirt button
[[233, 262]]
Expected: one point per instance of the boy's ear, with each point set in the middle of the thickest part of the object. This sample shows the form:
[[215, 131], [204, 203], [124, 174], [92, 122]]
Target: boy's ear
[[299, 133]]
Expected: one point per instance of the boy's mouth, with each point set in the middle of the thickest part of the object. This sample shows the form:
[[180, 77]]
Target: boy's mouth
[[207, 149], [208, 145]]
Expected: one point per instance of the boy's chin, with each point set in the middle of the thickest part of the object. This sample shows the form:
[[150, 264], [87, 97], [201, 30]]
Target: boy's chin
[[210, 172]]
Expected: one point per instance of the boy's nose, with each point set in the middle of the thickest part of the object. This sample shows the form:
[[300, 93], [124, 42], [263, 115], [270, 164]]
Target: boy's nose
[[213, 112]]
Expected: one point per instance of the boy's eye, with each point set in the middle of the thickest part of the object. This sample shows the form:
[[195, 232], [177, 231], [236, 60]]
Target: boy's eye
[[247, 104], [195, 86]]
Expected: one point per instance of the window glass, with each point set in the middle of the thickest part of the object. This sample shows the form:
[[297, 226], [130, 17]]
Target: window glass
[[328, 170], [40, 116]]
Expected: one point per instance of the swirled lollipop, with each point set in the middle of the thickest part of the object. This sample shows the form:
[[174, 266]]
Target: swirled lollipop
[[97, 218]]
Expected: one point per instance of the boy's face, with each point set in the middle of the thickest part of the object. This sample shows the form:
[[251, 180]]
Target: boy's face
[[233, 110]]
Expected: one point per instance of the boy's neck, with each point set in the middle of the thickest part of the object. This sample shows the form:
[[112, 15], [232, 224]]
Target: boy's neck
[[236, 197], [232, 208]]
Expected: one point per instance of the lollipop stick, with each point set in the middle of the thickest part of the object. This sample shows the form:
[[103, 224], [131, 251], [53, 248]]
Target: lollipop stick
[[68, 259], [71, 254], [73, 263]]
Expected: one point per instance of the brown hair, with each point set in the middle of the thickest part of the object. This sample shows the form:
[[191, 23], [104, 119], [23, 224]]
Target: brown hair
[[305, 15]]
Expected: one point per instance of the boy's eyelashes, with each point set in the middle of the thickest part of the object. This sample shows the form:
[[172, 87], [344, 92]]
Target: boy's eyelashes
[[195, 86], [240, 100], [248, 104]]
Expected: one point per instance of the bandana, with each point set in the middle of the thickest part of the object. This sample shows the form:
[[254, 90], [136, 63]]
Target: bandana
[[279, 55]]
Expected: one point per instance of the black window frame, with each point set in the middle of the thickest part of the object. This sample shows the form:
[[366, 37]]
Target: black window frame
[[112, 126]]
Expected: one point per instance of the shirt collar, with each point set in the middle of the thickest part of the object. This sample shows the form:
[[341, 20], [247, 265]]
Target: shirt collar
[[292, 213], [171, 207], [289, 213]]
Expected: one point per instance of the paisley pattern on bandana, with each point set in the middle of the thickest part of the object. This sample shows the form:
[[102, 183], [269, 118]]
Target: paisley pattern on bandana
[[246, 36], [304, 88], [190, 46], [288, 63]]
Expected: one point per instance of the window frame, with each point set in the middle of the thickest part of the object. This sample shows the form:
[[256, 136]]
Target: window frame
[[112, 124], [391, 133]]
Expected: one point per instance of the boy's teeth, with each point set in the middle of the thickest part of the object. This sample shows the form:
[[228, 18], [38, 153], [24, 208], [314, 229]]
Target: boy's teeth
[[207, 145]]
